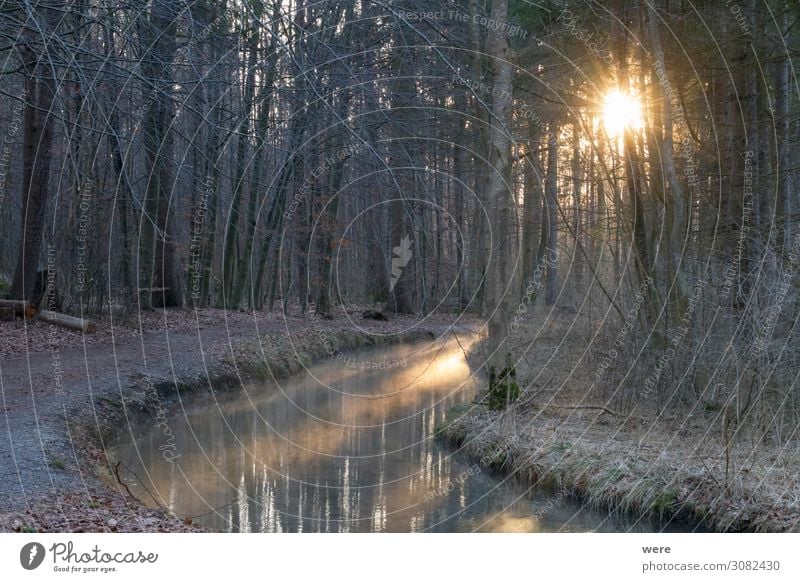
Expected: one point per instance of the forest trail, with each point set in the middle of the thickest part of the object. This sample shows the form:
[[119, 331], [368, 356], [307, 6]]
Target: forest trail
[[40, 390]]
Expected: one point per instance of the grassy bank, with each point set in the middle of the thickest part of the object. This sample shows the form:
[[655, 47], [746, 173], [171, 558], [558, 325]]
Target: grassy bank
[[615, 465]]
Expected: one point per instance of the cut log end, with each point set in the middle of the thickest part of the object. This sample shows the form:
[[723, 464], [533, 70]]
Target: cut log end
[[67, 321]]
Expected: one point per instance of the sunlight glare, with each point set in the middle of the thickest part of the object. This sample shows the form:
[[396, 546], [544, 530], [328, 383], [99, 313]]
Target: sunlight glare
[[620, 111]]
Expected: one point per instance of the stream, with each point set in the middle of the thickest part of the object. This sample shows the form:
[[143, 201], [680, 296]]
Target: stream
[[345, 446]]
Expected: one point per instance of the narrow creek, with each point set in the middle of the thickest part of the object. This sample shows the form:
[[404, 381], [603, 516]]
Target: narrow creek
[[346, 446]]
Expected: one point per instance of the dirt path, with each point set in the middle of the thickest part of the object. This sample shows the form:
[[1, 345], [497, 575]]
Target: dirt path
[[57, 402], [42, 392]]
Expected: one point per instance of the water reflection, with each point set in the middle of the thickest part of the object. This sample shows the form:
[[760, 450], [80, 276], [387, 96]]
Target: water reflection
[[346, 446]]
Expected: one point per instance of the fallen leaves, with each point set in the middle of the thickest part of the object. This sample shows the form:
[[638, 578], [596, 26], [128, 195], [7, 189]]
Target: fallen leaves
[[94, 511]]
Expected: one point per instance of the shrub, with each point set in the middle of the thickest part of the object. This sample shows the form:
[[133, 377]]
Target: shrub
[[503, 387]]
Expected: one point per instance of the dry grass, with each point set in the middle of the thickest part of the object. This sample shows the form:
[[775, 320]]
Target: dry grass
[[647, 472], [564, 434]]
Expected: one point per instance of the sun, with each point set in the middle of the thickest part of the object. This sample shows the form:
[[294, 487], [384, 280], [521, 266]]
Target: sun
[[620, 111]]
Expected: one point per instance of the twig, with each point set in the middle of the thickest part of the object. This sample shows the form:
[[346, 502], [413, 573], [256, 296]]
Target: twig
[[587, 407], [709, 473], [529, 396], [214, 510], [121, 482]]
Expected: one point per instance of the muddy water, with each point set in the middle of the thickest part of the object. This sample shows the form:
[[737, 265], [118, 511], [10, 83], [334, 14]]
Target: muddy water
[[346, 446]]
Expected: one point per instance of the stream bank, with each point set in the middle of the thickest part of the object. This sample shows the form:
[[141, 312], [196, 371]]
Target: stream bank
[[626, 466], [348, 445], [56, 475]]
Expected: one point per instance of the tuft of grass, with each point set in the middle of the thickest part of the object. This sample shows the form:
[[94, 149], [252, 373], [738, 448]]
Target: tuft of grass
[[559, 449], [495, 457], [453, 414], [611, 475], [664, 504], [58, 464]]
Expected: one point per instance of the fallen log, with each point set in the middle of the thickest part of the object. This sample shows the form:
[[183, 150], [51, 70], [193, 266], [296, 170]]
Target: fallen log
[[373, 314], [24, 308], [84, 325]]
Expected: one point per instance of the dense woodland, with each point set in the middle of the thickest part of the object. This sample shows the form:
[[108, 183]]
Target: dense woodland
[[630, 165]]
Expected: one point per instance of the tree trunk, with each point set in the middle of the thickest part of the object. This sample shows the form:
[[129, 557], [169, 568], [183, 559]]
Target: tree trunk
[[157, 246], [247, 257], [38, 120], [232, 259], [533, 219], [327, 233], [500, 196], [676, 227], [551, 201], [577, 170], [402, 231], [783, 170]]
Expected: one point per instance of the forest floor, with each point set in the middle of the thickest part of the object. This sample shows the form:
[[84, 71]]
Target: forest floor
[[65, 395], [650, 464]]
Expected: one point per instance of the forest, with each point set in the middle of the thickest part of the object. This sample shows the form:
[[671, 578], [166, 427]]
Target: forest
[[608, 191]]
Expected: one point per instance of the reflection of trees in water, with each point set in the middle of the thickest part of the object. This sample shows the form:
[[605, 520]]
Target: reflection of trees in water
[[351, 445]]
